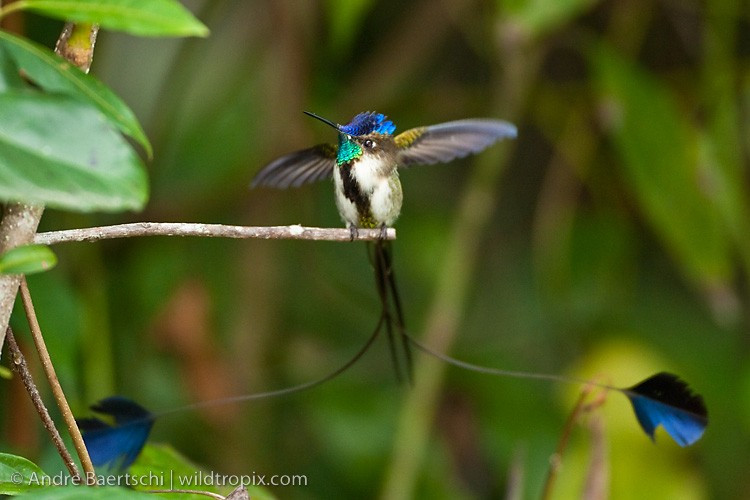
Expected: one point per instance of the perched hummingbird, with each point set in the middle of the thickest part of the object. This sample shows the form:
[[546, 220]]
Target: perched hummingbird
[[364, 166]]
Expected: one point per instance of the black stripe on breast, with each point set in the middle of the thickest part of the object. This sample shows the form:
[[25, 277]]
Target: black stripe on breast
[[353, 192]]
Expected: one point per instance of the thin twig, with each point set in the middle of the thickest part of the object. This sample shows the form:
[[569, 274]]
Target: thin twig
[[581, 407], [22, 369], [57, 391], [135, 229], [597, 477], [555, 461]]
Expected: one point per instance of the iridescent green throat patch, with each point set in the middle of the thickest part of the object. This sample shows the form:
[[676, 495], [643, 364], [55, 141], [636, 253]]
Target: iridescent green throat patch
[[348, 150]]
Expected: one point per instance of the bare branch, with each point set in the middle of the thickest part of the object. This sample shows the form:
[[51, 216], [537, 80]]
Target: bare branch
[[54, 382], [18, 363], [139, 229]]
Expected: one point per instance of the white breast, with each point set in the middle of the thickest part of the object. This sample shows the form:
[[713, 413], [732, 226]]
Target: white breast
[[369, 174], [383, 191]]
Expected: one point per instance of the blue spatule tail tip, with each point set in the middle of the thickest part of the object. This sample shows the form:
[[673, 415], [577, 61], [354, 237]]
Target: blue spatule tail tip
[[664, 399], [115, 447]]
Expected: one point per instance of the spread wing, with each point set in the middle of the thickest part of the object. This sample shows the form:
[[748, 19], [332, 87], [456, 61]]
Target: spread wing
[[447, 141], [298, 168]]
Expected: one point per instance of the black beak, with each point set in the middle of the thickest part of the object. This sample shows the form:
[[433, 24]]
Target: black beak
[[324, 120]]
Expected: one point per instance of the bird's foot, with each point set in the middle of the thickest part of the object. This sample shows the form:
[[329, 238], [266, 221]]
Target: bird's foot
[[353, 232], [383, 232]]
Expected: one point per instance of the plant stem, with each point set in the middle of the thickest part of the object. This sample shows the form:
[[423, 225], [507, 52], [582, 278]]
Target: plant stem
[[76, 44], [555, 461], [455, 274], [17, 227], [136, 229], [54, 382], [20, 366]]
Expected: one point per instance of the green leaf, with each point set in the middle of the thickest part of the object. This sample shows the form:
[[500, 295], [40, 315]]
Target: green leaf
[[137, 17], [60, 151], [89, 493], [162, 461], [722, 149], [169, 470], [659, 148], [27, 259], [54, 74], [10, 78], [18, 475]]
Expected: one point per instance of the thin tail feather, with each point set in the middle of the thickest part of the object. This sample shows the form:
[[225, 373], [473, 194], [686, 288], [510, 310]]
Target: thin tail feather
[[379, 264], [662, 399], [117, 446], [388, 292], [400, 323]]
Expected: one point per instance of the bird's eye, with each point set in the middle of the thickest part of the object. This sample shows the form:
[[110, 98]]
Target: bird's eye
[[369, 143]]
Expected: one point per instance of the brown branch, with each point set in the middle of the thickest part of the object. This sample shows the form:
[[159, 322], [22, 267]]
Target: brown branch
[[54, 382], [139, 229], [17, 228], [76, 44], [19, 365]]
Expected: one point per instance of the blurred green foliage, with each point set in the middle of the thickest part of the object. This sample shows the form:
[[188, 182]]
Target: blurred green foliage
[[618, 243]]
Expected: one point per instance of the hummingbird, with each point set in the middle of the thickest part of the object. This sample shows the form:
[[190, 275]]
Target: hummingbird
[[365, 166]]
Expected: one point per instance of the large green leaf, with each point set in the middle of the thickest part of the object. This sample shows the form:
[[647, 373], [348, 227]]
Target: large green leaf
[[10, 78], [60, 151], [161, 461], [138, 17], [18, 475], [54, 74], [658, 147], [27, 259]]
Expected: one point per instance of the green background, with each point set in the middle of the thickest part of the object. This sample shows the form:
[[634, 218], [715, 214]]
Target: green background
[[610, 240]]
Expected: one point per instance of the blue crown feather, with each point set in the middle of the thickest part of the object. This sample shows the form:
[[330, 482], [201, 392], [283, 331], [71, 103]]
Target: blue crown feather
[[367, 123]]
